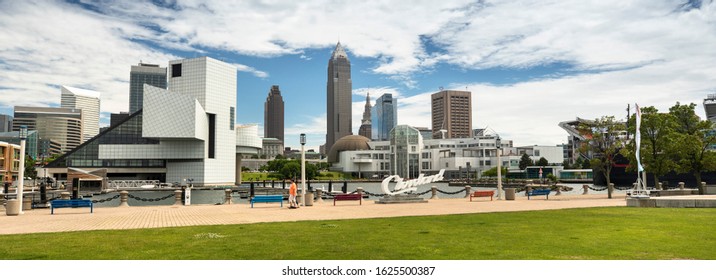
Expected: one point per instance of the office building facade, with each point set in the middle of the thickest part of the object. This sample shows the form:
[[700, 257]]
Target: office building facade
[[273, 114], [384, 117], [451, 114], [339, 112], [139, 75], [5, 123], [86, 100], [62, 125]]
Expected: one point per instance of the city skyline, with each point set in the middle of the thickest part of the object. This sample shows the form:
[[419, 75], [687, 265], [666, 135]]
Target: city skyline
[[528, 65]]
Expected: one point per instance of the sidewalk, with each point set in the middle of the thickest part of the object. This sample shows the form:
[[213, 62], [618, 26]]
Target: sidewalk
[[133, 217]]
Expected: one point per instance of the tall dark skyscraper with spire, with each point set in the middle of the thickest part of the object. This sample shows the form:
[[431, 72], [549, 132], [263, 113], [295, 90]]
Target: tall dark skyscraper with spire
[[338, 96], [273, 114]]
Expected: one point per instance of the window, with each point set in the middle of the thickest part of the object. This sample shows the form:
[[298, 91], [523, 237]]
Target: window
[[212, 135], [232, 113], [176, 70]]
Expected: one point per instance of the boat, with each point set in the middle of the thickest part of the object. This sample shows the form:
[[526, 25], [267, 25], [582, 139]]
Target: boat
[[147, 186]]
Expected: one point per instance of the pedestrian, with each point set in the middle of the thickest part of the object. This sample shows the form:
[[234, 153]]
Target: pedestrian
[[292, 190]]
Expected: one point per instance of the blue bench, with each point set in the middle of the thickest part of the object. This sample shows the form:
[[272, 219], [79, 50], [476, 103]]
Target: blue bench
[[538, 192], [267, 198], [72, 203]]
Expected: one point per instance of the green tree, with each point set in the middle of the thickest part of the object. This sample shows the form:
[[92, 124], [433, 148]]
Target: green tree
[[291, 170], [525, 161], [657, 135], [492, 172], [542, 162], [245, 169], [692, 141], [604, 143], [30, 170]]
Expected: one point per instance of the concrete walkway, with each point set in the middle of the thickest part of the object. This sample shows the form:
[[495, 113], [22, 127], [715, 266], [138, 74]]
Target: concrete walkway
[[133, 217]]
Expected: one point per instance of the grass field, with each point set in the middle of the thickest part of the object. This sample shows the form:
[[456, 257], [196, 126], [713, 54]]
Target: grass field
[[614, 233]]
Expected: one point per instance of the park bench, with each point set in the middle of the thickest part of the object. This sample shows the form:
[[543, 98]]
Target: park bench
[[538, 192], [71, 203], [482, 194], [349, 196], [267, 199]]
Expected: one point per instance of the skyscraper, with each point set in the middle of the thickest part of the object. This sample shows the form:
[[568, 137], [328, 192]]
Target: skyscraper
[[366, 126], [452, 114], [62, 125], [273, 114], [141, 74], [5, 123], [338, 96], [88, 102], [384, 117]]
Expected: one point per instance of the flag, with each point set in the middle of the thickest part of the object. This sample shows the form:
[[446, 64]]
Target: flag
[[638, 138]]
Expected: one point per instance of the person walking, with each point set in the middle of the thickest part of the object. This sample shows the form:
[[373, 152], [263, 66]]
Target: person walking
[[292, 191]]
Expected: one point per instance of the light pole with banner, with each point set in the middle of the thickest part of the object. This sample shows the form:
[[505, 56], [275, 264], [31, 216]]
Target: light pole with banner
[[498, 145], [303, 168], [21, 172]]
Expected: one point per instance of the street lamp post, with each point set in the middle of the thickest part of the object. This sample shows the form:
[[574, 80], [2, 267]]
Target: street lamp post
[[303, 167], [498, 144], [21, 173]]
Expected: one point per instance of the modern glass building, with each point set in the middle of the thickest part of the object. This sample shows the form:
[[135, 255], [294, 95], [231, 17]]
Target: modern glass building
[[5, 123], [406, 144], [62, 125], [185, 133], [31, 143], [87, 101], [150, 74], [384, 117]]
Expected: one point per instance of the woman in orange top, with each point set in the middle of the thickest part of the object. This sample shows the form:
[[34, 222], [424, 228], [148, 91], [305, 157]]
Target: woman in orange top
[[292, 191]]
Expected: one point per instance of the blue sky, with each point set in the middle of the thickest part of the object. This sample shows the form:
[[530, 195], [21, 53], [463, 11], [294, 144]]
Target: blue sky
[[528, 64]]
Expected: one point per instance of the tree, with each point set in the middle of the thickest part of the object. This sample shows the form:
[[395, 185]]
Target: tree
[[693, 139], [245, 169], [30, 170], [492, 172], [542, 162], [291, 170], [656, 151], [525, 161], [604, 142]]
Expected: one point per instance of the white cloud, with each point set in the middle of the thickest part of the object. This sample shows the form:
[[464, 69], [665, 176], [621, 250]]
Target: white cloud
[[249, 69]]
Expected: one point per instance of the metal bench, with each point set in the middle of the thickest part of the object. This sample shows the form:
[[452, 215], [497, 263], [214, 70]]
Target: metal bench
[[544, 192], [350, 196], [482, 194], [267, 199], [71, 203]]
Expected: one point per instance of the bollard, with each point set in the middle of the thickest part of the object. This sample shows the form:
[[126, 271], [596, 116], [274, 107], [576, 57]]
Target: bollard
[[586, 189], [330, 186], [435, 192], [529, 189], [559, 190], [345, 187], [65, 195], [468, 190], [123, 197], [359, 190], [319, 194], [681, 185], [659, 186], [227, 196], [251, 190], [177, 197], [272, 184]]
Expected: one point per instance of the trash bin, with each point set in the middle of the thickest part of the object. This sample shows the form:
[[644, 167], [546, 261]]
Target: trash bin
[[509, 194], [12, 207], [309, 199], [26, 203]]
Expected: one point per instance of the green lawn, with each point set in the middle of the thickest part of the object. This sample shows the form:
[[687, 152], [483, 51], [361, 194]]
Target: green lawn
[[614, 233]]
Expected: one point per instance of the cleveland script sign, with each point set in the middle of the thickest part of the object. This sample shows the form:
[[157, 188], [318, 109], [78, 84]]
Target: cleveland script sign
[[409, 185]]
